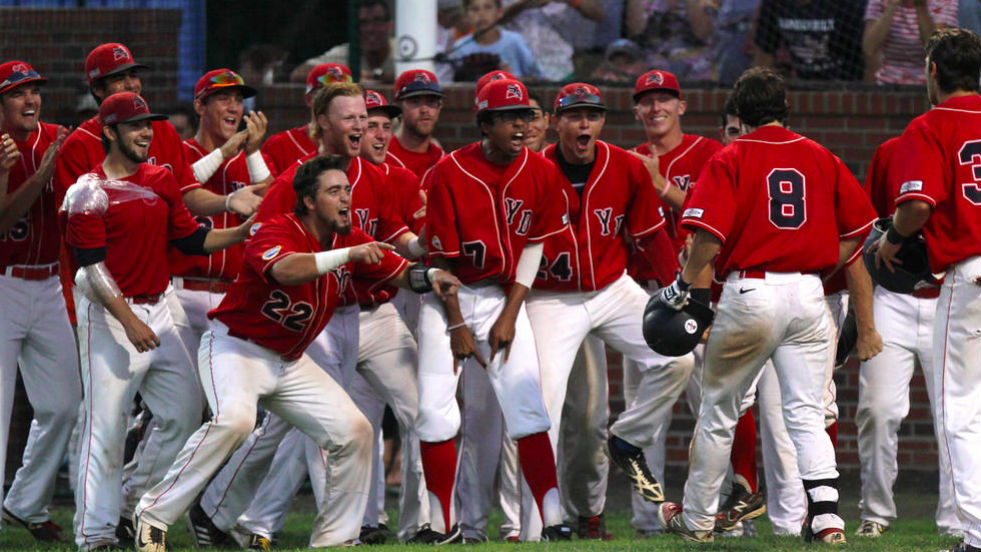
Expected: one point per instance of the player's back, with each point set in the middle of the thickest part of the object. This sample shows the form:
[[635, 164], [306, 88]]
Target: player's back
[[779, 201]]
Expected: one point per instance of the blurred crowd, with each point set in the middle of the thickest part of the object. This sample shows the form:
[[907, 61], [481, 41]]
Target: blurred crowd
[[875, 41]]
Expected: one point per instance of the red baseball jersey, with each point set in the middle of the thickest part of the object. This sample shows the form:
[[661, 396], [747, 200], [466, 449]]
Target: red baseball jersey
[[373, 205], [483, 214], [231, 175], [618, 200], [284, 149], [406, 186], [34, 239], [938, 160], [779, 202], [82, 151], [418, 163], [135, 229], [287, 318]]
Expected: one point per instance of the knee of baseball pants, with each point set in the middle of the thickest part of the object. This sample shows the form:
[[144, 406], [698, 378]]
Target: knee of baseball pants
[[236, 419], [354, 437]]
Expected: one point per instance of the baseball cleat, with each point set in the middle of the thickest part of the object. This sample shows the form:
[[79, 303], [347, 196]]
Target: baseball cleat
[[741, 505], [593, 528], [374, 535], [427, 535], [150, 538], [258, 542], [963, 547], [105, 546], [44, 531], [631, 461], [125, 531], [871, 529], [832, 536], [204, 531], [556, 533], [669, 513]]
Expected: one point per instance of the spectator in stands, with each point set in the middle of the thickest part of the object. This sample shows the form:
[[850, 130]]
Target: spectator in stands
[[489, 38], [375, 26], [969, 15], [554, 30], [622, 62], [674, 34], [895, 32], [453, 25], [731, 45], [823, 37]]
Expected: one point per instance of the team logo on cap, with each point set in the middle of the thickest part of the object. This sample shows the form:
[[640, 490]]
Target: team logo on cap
[[513, 93], [654, 79], [19, 68], [119, 52], [423, 78], [336, 73], [580, 92], [139, 104], [373, 98], [271, 253]]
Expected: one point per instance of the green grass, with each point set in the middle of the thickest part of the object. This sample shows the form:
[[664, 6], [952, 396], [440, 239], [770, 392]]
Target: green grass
[[914, 530]]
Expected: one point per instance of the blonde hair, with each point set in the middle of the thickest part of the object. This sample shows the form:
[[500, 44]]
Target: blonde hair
[[321, 101]]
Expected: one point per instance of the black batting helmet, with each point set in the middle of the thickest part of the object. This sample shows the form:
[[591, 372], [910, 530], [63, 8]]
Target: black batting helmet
[[914, 272], [672, 332]]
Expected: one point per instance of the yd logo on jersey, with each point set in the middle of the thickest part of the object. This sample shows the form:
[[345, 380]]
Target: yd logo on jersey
[[343, 277], [369, 225], [604, 215], [512, 206], [682, 181]]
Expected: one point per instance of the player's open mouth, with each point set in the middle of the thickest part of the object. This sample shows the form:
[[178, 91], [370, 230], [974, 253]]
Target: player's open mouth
[[141, 144], [378, 147], [28, 114], [518, 139], [582, 142], [230, 121], [355, 140]]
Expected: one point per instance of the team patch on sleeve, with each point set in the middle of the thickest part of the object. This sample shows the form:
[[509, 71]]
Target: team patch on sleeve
[[911, 186], [271, 253], [693, 213], [436, 243], [565, 218], [254, 228]]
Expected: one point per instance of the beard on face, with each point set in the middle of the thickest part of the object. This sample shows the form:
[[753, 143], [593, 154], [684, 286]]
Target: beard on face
[[131, 153]]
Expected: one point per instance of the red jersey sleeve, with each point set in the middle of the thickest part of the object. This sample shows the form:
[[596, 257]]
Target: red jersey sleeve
[[444, 238], [711, 202], [180, 222], [72, 161], [272, 245], [551, 215], [280, 197], [921, 175], [86, 231], [379, 274], [164, 131], [644, 213], [853, 210]]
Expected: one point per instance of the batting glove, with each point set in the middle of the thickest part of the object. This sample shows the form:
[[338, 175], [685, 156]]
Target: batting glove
[[676, 295]]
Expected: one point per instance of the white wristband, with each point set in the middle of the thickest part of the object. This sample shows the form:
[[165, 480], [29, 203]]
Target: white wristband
[[258, 170], [228, 200], [416, 248], [329, 260], [205, 167]]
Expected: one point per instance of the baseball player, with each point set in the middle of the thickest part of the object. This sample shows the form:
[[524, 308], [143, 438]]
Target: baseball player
[[224, 160], [294, 275], [582, 287], [418, 94], [285, 148], [777, 209], [938, 172], [490, 205], [36, 334], [119, 221], [906, 324], [339, 109]]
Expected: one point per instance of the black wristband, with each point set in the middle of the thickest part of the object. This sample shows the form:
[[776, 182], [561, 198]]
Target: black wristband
[[419, 279], [702, 295], [893, 236], [682, 284]]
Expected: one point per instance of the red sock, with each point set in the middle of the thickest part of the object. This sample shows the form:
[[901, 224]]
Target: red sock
[[439, 469], [743, 457], [832, 431], [538, 464]]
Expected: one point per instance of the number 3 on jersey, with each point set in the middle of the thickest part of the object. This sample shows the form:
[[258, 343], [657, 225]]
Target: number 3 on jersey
[[292, 316], [970, 154], [786, 190]]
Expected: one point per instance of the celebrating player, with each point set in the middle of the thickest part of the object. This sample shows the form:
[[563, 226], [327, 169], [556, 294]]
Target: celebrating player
[[939, 175], [119, 221], [419, 95], [490, 206], [37, 335], [777, 209], [295, 273]]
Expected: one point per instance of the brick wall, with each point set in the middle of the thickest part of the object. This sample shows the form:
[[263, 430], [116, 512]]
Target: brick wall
[[55, 42], [852, 124]]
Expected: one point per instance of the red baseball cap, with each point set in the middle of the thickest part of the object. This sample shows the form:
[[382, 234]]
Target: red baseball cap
[[492, 76], [326, 73], [126, 107], [374, 100], [18, 73], [109, 59], [502, 95], [221, 79], [656, 80], [417, 82], [579, 94]]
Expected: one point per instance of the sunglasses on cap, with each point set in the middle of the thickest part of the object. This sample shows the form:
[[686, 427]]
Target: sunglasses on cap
[[574, 99], [227, 78], [333, 77], [19, 76]]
